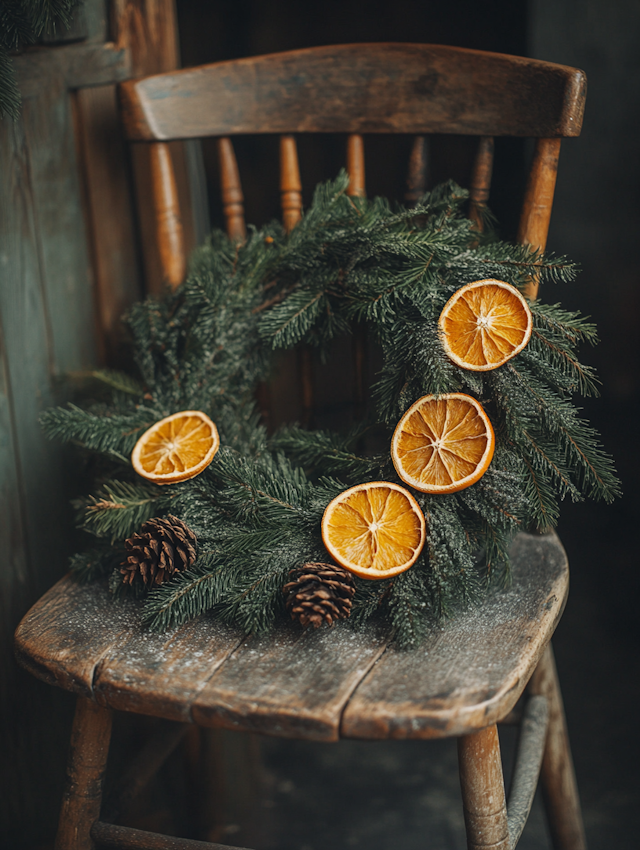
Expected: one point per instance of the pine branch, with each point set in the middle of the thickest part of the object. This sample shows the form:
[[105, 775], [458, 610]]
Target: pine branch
[[120, 508]]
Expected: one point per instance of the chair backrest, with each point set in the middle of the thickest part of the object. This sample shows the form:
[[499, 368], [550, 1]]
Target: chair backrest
[[355, 89]]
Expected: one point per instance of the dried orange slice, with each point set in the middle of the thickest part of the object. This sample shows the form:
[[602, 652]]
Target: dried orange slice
[[443, 443], [484, 324], [176, 448], [374, 530]]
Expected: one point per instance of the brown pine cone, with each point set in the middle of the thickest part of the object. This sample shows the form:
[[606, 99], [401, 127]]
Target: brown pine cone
[[319, 593], [163, 546]]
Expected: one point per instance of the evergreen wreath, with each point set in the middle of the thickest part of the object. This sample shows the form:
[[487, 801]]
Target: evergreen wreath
[[256, 509]]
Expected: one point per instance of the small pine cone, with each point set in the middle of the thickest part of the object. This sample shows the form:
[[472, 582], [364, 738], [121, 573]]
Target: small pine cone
[[319, 593], [161, 547]]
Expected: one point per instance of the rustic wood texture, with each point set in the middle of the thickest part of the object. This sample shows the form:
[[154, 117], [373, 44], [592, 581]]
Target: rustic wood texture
[[559, 787], [411, 88], [538, 200], [482, 785], [319, 684], [82, 798], [355, 166], [533, 732], [478, 663], [481, 180], [111, 837], [232, 197], [292, 684], [108, 214]]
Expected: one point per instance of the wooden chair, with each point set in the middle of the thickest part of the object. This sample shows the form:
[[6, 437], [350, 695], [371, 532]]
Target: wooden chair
[[331, 684]]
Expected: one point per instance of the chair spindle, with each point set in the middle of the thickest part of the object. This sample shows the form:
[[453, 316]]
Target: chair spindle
[[290, 185], [538, 200], [481, 180], [232, 197], [291, 201], [167, 210], [355, 169], [418, 170], [355, 166]]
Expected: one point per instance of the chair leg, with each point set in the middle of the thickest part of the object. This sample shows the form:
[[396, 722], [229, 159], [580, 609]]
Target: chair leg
[[482, 783], [90, 738], [559, 787]]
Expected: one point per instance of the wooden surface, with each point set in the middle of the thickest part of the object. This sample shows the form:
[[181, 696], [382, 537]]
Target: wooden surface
[[411, 88], [318, 685], [482, 786], [477, 666], [558, 779], [538, 200], [89, 748]]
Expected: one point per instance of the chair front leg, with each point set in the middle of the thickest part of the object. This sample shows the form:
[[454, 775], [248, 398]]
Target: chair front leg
[[90, 737], [559, 787], [483, 797]]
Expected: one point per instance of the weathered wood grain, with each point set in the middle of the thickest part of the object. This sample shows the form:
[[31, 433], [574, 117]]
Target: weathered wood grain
[[291, 684], [163, 674], [108, 213], [82, 797], [558, 779], [482, 786], [73, 66], [411, 88], [470, 673], [169, 235], [68, 632], [533, 732], [62, 234]]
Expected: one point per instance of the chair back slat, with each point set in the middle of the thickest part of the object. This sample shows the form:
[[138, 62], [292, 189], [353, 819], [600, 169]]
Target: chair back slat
[[355, 166], [481, 180], [290, 185], [232, 196], [169, 235], [410, 88], [538, 200], [417, 173]]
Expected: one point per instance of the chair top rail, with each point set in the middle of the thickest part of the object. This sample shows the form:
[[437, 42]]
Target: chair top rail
[[360, 88]]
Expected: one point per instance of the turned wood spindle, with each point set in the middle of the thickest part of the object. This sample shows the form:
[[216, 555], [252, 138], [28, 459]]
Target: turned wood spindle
[[290, 185], [418, 170], [355, 169], [538, 201], [169, 233], [481, 180], [482, 784], [232, 197], [355, 166]]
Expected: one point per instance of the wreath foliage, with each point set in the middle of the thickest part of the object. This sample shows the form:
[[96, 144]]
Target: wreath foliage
[[256, 510]]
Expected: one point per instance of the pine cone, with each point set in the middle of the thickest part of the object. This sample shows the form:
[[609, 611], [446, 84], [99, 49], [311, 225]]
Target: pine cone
[[319, 593], [161, 547]]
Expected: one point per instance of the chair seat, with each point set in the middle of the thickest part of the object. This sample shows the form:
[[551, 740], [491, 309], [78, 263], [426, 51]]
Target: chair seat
[[318, 685]]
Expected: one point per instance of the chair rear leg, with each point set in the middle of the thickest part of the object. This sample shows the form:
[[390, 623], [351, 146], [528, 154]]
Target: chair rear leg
[[89, 748], [559, 787], [483, 797]]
